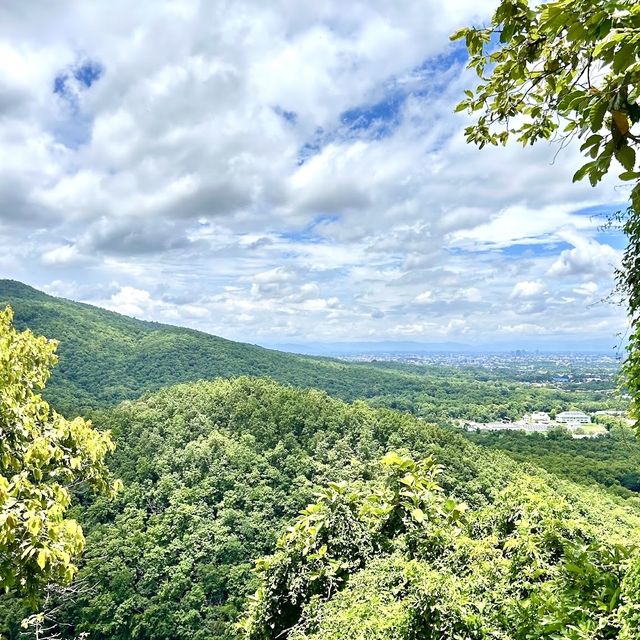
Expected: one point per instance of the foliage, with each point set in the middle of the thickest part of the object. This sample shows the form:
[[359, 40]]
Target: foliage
[[573, 64], [577, 61], [629, 283], [214, 472], [630, 596], [341, 533], [42, 455], [611, 461], [106, 357], [399, 561]]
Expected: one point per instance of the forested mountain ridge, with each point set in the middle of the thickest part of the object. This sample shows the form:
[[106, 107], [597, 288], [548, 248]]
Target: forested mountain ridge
[[214, 472], [106, 357]]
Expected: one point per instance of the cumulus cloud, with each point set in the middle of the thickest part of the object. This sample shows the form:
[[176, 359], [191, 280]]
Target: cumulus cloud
[[587, 258], [527, 289], [131, 301], [277, 170], [66, 254], [424, 298], [587, 289]]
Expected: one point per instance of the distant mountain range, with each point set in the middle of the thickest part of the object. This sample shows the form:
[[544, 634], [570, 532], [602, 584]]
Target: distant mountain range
[[106, 357], [352, 348]]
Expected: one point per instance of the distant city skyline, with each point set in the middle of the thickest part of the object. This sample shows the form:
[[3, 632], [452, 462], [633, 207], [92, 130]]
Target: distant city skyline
[[281, 173], [546, 345]]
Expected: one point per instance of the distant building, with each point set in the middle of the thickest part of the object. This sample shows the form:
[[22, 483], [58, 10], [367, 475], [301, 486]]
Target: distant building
[[573, 417], [539, 417], [521, 425]]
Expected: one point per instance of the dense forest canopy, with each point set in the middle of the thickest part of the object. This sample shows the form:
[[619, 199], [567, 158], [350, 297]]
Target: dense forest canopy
[[397, 557], [214, 472], [612, 461], [272, 496]]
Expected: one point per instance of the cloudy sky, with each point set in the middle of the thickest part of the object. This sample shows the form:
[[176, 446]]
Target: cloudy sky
[[286, 172]]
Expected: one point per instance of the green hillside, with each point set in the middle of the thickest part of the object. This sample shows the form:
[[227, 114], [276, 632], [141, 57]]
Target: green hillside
[[214, 472], [417, 533], [106, 358]]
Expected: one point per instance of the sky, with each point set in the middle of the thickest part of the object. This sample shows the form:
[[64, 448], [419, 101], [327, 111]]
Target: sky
[[287, 172]]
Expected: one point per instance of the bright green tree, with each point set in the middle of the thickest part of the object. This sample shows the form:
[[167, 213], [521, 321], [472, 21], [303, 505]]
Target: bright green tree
[[570, 70], [396, 558], [42, 456]]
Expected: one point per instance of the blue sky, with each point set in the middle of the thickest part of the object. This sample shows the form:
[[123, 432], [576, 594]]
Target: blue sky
[[278, 172]]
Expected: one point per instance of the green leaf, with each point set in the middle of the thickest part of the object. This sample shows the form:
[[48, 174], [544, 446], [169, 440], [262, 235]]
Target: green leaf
[[596, 115], [624, 57], [629, 175], [418, 515], [460, 33], [626, 156], [576, 32], [582, 171], [590, 141]]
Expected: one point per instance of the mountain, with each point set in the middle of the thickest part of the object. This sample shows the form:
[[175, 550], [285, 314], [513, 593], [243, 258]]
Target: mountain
[[372, 348], [215, 471], [549, 344], [106, 357]]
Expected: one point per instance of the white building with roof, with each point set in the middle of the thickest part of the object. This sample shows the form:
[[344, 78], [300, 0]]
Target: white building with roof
[[573, 417]]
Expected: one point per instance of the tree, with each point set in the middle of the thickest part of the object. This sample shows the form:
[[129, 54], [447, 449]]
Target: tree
[[568, 69], [340, 534], [43, 456], [395, 557]]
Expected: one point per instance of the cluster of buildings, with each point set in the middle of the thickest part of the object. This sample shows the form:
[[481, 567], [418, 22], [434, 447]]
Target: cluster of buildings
[[536, 422], [569, 418]]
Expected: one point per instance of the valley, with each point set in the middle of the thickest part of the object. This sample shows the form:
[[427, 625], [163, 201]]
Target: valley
[[320, 320]]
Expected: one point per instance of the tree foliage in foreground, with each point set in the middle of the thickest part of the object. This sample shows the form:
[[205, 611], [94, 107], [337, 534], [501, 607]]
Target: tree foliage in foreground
[[395, 558], [215, 471], [568, 64], [42, 456], [568, 69]]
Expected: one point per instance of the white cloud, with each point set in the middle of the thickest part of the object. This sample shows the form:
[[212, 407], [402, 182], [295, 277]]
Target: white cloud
[[587, 258], [587, 289], [268, 170], [527, 289], [65, 255], [424, 298]]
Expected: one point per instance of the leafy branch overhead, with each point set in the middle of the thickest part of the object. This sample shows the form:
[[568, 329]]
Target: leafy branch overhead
[[567, 69]]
